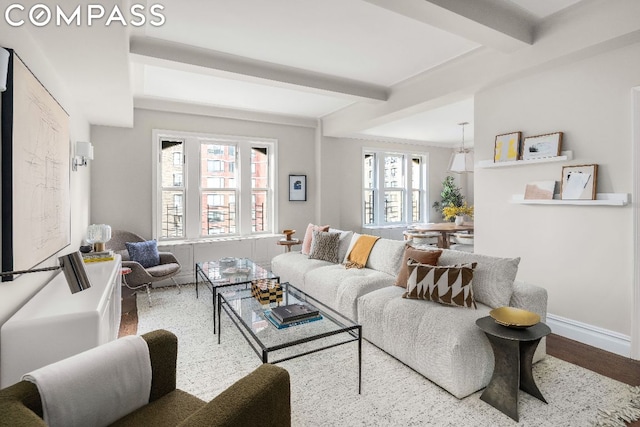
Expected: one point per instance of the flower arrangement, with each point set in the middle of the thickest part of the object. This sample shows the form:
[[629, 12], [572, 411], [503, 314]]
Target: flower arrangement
[[452, 211]]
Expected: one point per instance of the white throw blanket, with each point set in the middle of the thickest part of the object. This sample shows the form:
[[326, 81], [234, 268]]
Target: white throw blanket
[[96, 387]]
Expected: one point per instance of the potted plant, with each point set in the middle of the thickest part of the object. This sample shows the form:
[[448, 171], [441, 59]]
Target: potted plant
[[451, 196]]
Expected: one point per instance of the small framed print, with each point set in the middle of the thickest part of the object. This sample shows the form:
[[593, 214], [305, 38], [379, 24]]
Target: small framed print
[[541, 146], [579, 182], [297, 188], [507, 147], [539, 190]]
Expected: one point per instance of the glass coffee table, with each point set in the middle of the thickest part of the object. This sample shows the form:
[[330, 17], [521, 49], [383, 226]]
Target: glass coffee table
[[216, 276], [275, 345]]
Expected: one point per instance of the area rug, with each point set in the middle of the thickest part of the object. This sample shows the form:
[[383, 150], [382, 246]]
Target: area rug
[[324, 385]]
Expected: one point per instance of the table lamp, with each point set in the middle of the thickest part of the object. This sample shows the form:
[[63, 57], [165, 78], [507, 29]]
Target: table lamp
[[73, 267], [98, 235]]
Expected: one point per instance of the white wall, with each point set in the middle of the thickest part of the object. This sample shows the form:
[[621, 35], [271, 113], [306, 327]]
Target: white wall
[[122, 179], [14, 294], [582, 255], [342, 178]]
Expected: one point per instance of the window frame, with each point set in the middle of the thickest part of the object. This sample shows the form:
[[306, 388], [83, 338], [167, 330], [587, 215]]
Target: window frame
[[192, 194], [379, 189]]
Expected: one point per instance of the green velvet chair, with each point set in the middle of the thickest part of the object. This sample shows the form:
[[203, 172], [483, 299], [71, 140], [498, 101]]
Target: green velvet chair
[[261, 398]]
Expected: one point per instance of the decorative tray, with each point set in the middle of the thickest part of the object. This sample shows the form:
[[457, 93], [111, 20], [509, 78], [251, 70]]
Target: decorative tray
[[514, 317]]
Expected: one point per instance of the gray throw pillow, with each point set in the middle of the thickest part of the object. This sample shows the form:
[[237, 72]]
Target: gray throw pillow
[[325, 246], [492, 278]]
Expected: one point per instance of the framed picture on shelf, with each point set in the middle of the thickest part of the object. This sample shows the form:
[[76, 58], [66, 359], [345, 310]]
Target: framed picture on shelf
[[507, 147], [579, 182], [298, 188], [541, 146], [539, 190]]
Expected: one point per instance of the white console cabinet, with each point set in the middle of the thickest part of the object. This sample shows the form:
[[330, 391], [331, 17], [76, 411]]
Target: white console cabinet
[[56, 324]]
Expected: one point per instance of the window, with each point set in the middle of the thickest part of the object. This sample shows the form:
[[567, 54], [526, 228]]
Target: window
[[205, 194], [177, 159], [215, 165], [394, 188], [260, 188], [218, 209], [172, 189], [215, 182]]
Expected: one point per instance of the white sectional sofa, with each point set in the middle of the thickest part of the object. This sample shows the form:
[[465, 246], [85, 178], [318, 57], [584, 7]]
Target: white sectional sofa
[[439, 341]]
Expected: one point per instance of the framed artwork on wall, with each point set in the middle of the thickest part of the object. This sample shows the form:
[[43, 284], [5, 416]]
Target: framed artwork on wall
[[297, 188], [36, 160], [541, 146], [507, 147], [579, 182]]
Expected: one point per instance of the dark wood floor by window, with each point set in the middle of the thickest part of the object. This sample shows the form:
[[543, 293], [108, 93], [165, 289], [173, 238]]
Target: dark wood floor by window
[[608, 364]]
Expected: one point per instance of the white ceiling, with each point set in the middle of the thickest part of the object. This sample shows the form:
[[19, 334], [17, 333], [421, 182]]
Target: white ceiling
[[304, 58]]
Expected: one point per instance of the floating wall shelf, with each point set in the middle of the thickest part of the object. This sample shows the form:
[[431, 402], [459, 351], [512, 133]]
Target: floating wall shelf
[[488, 164], [602, 199]]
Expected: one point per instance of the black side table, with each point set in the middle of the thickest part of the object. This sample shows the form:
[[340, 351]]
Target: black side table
[[513, 351]]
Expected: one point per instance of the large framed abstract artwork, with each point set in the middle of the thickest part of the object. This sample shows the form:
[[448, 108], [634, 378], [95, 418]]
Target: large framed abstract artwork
[[36, 208]]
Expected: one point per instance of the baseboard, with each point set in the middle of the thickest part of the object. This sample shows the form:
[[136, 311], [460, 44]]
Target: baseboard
[[591, 335]]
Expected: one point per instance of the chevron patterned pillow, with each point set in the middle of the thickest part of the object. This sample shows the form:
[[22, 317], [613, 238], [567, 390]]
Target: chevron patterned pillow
[[451, 285]]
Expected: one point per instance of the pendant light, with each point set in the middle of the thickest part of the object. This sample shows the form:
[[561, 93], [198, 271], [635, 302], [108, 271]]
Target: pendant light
[[462, 159]]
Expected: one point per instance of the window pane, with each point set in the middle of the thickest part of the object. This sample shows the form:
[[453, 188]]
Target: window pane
[[259, 211], [217, 171], [393, 206], [259, 167], [393, 174], [369, 170], [260, 184], [415, 206], [369, 207], [218, 213], [172, 214], [171, 165], [415, 173]]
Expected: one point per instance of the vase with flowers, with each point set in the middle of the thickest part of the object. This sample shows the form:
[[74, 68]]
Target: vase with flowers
[[457, 212]]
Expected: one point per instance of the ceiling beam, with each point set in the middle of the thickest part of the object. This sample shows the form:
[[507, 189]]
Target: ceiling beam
[[148, 103], [246, 69], [498, 26], [561, 39]]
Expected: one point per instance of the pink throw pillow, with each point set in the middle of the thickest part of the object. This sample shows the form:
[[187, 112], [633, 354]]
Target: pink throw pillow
[[308, 236]]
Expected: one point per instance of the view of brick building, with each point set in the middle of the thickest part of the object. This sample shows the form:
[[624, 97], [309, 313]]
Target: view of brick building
[[219, 189]]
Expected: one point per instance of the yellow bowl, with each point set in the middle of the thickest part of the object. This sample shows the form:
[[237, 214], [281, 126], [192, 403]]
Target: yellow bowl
[[514, 317]]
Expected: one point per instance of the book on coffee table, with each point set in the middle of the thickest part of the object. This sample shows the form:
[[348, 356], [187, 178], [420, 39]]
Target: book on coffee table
[[280, 325], [294, 312]]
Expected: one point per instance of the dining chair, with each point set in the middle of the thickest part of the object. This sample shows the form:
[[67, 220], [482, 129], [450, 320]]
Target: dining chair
[[461, 242]]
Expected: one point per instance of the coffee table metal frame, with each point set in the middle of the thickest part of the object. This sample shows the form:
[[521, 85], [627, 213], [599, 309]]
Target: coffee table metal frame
[[290, 292], [213, 277], [513, 351]]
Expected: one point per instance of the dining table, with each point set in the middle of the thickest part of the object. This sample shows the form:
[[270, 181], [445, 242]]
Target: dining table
[[444, 228]]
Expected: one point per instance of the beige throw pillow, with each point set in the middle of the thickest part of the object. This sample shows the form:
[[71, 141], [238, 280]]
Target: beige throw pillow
[[492, 278]]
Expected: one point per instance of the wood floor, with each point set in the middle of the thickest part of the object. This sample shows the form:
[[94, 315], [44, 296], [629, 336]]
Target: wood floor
[[608, 364]]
